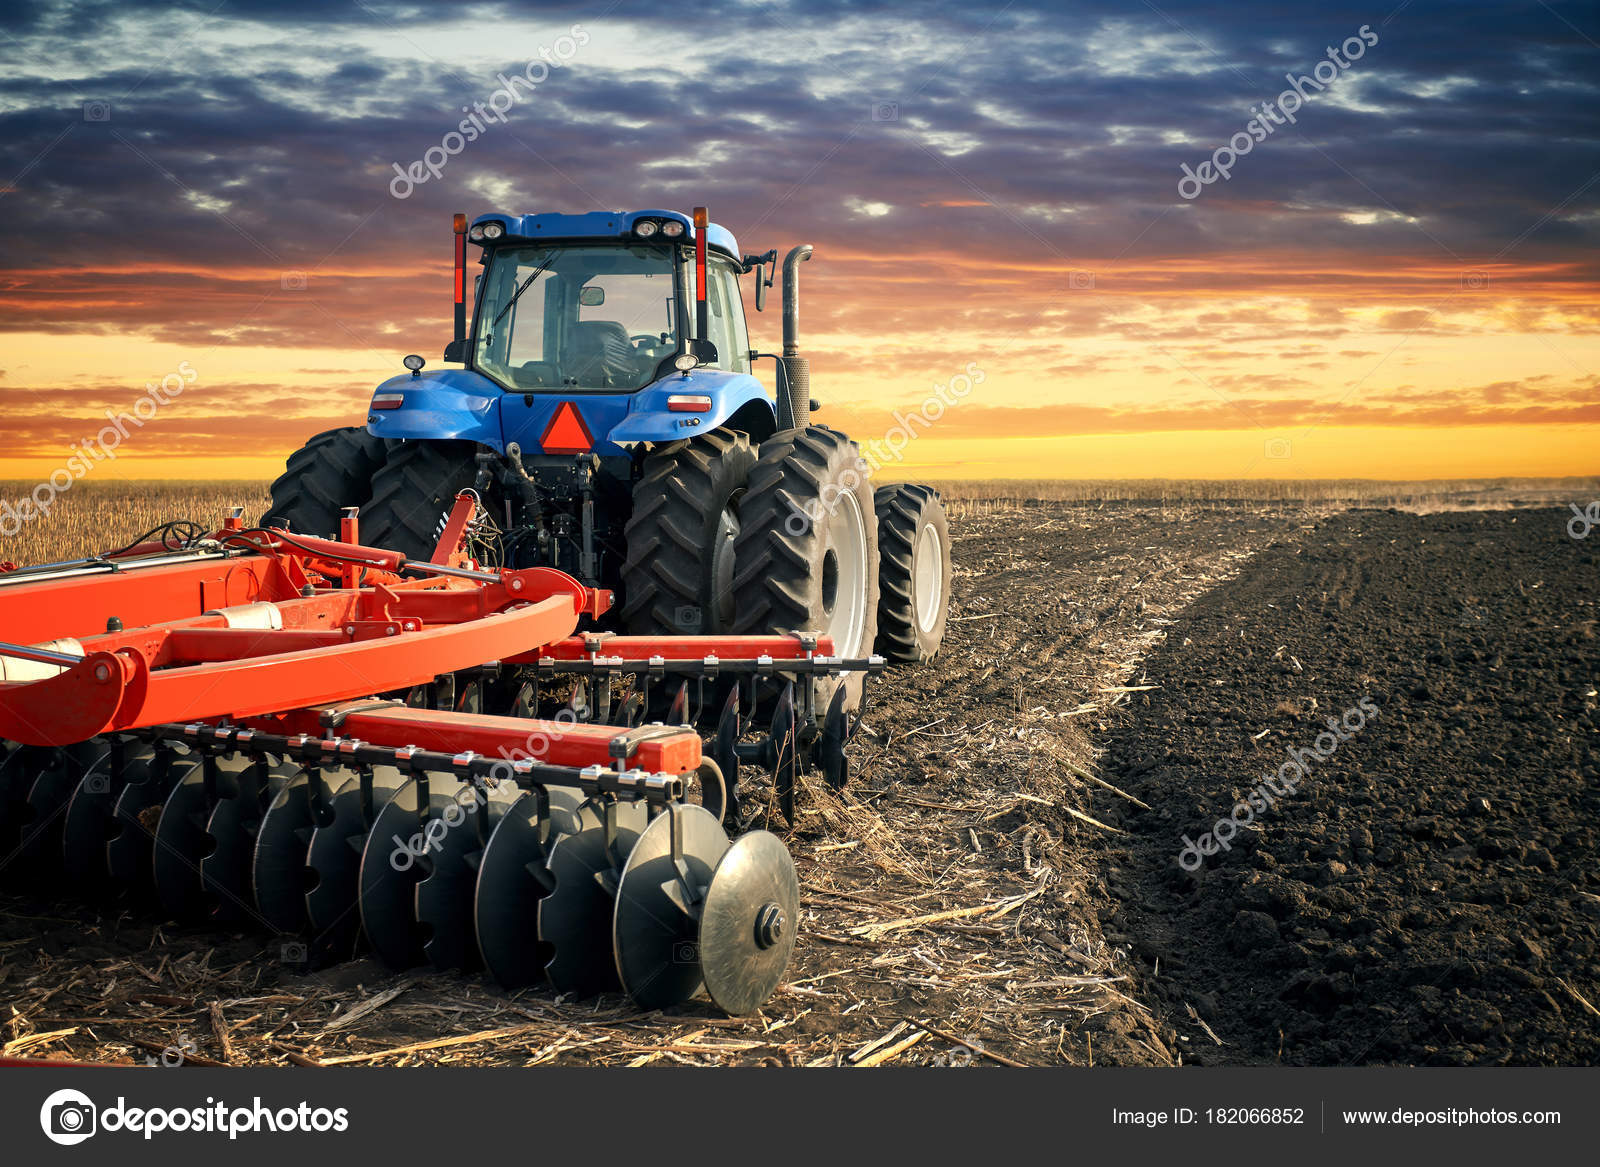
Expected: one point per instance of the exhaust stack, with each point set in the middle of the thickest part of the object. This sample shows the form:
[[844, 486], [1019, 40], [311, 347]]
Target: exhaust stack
[[794, 396]]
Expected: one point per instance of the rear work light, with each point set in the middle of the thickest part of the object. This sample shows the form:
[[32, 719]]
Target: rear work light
[[688, 403], [388, 400], [645, 228], [672, 229]]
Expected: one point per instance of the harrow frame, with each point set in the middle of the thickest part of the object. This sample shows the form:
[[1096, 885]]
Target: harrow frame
[[252, 665]]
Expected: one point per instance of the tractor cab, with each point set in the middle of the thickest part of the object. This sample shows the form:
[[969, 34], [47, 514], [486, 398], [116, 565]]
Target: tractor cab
[[559, 310]]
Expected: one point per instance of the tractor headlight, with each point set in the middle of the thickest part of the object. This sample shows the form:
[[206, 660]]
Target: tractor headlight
[[476, 234], [493, 230], [644, 228], [672, 228]]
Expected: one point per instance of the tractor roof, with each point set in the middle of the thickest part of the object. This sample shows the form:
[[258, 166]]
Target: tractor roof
[[597, 225]]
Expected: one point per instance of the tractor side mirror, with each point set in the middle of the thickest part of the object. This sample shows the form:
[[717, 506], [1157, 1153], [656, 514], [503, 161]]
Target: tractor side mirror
[[592, 297], [764, 275], [456, 351]]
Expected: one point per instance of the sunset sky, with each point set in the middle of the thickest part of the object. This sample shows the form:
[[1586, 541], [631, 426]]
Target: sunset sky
[[1402, 283]]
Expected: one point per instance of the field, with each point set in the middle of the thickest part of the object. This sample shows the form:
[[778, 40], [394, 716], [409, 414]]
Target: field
[[93, 517], [1004, 880]]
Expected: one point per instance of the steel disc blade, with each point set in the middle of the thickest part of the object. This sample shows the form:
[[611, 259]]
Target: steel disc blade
[[232, 830], [89, 822], [17, 773], [334, 857], [130, 852], [444, 897], [511, 881], [392, 864], [724, 753], [838, 726], [631, 712], [278, 866], [656, 939], [39, 849], [181, 842], [575, 918], [748, 922], [785, 753]]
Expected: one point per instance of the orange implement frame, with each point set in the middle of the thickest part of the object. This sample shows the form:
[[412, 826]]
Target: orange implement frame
[[251, 633]]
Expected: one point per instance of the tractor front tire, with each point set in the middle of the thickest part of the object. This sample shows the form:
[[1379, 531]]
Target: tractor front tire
[[678, 576], [806, 558], [413, 494], [330, 472], [914, 572]]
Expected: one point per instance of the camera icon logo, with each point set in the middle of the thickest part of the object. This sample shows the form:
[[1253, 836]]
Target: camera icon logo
[[688, 618], [97, 784], [293, 281], [1474, 281], [68, 1117], [685, 952], [886, 111], [97, 111], [1276, 448], [1080, 281], [961, 1054], [293, 952], [173, 1056]]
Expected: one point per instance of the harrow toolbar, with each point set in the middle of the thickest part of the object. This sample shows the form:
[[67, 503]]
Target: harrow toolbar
[[349, 748]]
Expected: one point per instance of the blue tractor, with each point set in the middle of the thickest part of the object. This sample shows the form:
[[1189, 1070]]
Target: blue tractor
[[606, 414]]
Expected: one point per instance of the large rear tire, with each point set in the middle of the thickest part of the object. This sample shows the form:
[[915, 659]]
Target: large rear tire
[[806, 558], [414, 493], [330, 472], [678, 577], [914, 572]]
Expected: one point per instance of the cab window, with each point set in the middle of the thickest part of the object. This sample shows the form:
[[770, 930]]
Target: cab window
[[726, 310]]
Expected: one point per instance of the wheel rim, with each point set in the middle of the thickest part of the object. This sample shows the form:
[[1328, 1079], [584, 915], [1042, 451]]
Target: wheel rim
[[845, 577], [927, 576]]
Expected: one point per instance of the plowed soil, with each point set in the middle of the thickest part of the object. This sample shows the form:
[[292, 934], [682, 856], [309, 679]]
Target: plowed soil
[[1428, 891], [1003, 879]]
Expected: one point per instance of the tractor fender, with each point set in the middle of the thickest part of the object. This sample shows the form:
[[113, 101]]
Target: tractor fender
[[440, 406], [737, 399]]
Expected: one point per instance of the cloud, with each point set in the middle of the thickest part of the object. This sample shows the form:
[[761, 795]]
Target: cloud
[[1492, 405], [953, 171]]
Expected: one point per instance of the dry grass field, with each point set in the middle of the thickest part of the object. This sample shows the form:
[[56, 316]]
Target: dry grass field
[[997, 884], [94, 517], [98, 516]]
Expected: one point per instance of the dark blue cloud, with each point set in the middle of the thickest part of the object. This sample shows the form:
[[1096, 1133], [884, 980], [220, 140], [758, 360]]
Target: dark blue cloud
[[263, 135]]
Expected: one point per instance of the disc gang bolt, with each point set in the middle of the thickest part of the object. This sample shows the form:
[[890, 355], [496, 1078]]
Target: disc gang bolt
[[770, 925]]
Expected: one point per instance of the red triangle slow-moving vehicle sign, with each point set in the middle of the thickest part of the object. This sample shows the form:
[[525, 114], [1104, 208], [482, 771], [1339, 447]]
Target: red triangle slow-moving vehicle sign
[[566, 433]]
